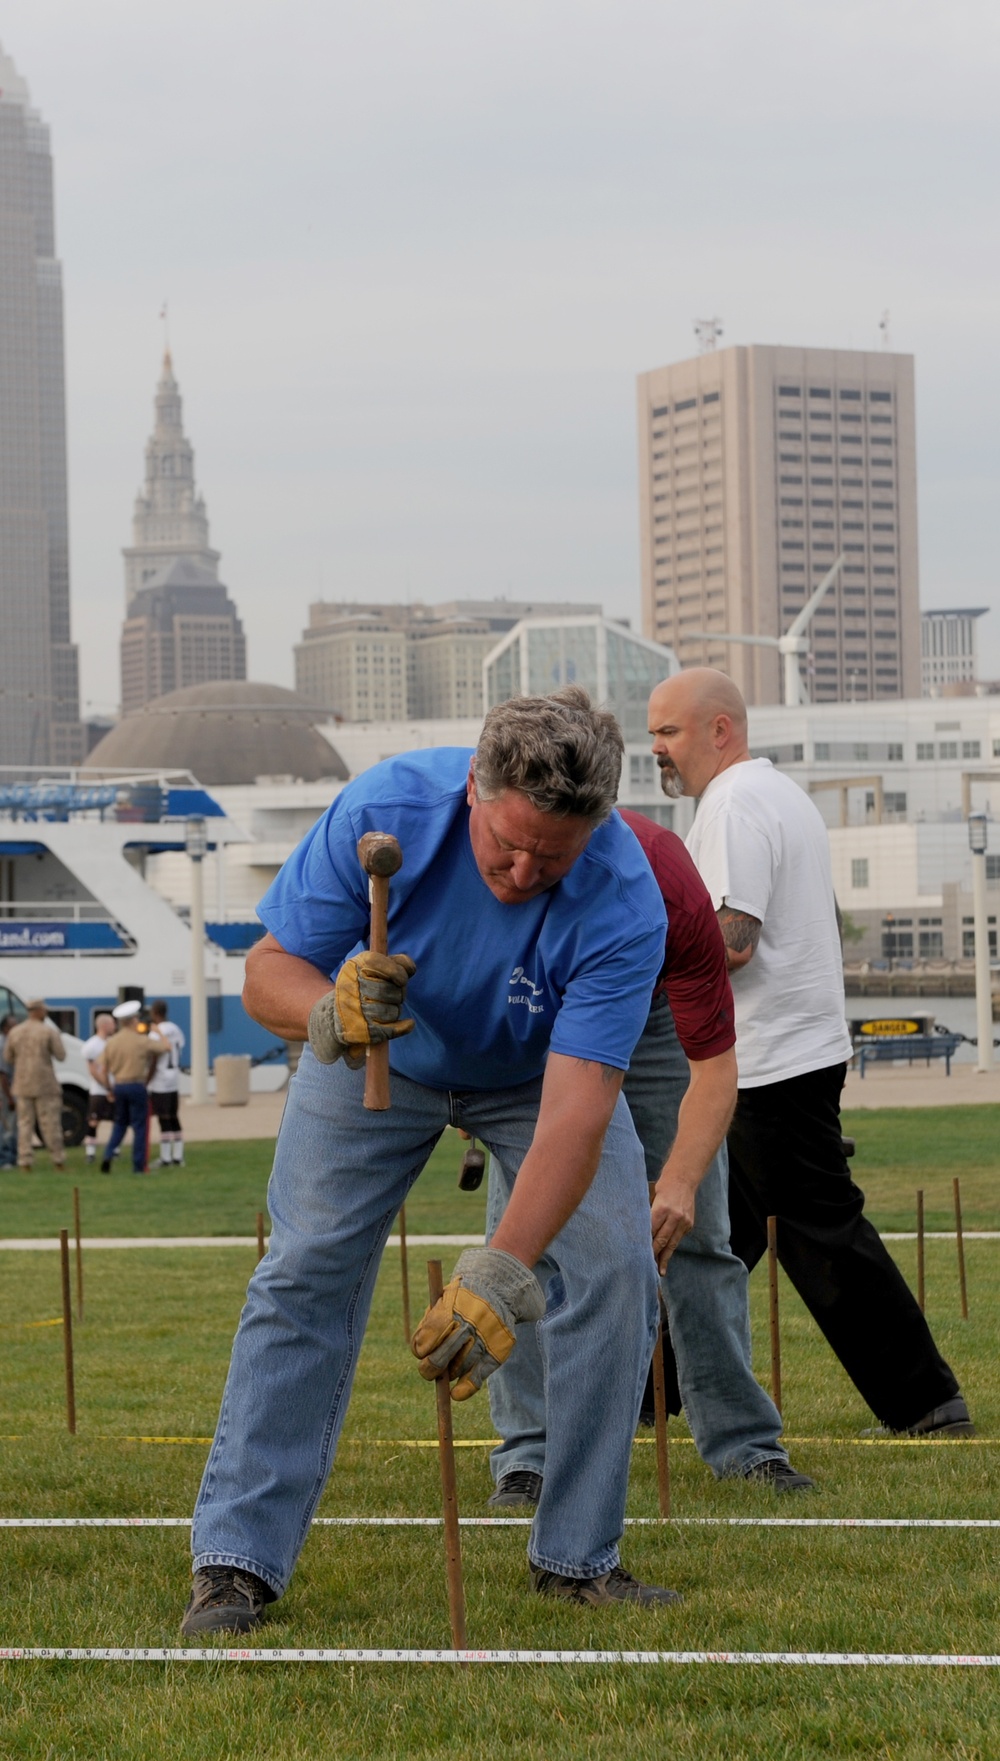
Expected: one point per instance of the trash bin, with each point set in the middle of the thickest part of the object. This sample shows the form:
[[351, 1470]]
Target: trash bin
[[232, 1079]]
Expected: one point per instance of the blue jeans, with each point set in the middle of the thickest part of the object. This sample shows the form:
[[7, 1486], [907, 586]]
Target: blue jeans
[[734, 1422], [340, 1175], [131, 1109]]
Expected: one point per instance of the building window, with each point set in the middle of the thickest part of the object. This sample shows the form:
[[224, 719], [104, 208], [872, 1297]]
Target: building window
[[970, 749], [789, 391], [992, 867], [948, 749], [930, 939], [880, 397], [818, 391], [894, 752], [925, 749], [969, 941], [859, 871], [894, 801], [710, 397]]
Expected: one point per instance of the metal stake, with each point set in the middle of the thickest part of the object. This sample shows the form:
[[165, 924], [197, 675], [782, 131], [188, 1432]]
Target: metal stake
[[772, 1281], [67, 1332], [961, 1248], [921, 1282], [446, 1453], [79, 1254]]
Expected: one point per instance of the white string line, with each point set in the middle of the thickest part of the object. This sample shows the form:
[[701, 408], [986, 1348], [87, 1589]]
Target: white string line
[[492, 1442], [48, 1244], [387, 1654], [517, 1522]]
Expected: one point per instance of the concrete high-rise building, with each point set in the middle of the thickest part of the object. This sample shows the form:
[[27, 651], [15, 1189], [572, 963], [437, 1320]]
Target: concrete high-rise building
[[39, 672], [181, 628], [948, 651], [758, 467]]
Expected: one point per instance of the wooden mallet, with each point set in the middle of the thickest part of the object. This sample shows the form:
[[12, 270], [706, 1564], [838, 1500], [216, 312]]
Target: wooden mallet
[[380, 857]]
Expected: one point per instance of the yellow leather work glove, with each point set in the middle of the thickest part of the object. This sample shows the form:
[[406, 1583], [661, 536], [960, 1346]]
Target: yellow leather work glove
[[363, 1009], [469, 1332]]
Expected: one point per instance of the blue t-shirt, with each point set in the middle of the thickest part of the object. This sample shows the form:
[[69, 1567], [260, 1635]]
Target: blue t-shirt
[[496, 985]]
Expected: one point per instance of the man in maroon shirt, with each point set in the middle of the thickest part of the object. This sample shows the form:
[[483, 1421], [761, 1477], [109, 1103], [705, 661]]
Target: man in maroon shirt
[[681, 1088]]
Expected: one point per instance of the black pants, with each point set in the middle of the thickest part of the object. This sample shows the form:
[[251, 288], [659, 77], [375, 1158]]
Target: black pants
[[786, 1160]]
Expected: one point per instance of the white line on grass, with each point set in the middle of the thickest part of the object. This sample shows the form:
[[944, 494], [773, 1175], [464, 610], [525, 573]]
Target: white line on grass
[[209, 1654], [516, 1522]]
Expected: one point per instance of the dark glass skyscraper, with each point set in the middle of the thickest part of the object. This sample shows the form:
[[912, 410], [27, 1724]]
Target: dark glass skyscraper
[[39, 682]]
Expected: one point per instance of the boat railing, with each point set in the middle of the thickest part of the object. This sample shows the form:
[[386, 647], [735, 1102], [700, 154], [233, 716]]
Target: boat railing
[[57, 910]]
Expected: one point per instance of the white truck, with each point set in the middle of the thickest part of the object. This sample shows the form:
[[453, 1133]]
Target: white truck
[[72, 1073]]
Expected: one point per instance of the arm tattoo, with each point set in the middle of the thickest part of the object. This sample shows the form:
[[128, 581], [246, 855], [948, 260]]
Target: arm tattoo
[[609, 1072], [739, 930]]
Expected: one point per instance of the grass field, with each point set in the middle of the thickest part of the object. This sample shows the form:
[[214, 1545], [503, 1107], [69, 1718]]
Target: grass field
[[151, 1359]]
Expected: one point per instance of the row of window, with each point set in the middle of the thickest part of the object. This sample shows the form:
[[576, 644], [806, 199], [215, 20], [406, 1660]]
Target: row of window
[[822, 391], [846, 482], [687, 403]]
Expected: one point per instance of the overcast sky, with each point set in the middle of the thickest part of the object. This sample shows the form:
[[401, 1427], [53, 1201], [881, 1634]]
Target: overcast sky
[[416, 253]]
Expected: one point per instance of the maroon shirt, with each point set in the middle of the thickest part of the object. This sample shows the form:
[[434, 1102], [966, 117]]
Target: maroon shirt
[[694, 975]]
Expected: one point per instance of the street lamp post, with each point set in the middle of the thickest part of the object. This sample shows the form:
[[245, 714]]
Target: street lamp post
[[196, 844], [978, 832]]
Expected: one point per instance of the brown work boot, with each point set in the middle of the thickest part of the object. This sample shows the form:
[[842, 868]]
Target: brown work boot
[[615, 1586], [225, 1599]]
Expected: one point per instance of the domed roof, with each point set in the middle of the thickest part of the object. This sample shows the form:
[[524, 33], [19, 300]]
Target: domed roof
[[229, 731]]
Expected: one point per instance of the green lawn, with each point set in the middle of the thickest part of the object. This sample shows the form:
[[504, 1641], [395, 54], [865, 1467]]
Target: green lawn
[[151, 1359]]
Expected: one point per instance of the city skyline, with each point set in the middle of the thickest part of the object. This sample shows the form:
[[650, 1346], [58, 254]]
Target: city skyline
[[411, 308]]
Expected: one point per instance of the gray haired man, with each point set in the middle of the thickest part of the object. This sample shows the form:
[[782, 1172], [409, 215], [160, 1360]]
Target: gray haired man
[[534, 932]]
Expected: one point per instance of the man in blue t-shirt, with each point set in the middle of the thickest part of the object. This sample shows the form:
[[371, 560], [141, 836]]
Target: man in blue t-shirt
[[533, 932]]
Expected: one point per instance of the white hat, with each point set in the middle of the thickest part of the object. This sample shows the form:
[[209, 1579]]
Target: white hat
[[125, 1011]]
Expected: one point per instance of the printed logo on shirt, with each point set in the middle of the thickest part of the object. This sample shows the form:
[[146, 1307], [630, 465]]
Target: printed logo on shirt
[[525, 991]]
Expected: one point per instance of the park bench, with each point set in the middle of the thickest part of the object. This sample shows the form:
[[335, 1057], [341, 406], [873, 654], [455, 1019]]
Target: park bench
[[909, 1046]]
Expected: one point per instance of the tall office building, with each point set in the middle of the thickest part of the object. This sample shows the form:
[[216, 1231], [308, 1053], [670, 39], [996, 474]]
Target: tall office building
[[181, 628], [758, 467], [39, 672]]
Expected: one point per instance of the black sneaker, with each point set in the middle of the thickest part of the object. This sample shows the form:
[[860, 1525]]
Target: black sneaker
[[780, 1475], [225, 1600], [615, 1586], [519, 1490], [950, 1420], [105, 1166]]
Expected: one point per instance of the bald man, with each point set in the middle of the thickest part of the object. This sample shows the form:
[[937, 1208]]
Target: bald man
[[762, 849]]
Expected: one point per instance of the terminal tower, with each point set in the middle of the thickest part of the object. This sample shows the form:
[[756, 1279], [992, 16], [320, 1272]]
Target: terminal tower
[[181, 627]]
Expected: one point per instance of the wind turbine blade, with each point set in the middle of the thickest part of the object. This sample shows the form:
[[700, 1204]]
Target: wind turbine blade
[[798, 625], [721, 636]]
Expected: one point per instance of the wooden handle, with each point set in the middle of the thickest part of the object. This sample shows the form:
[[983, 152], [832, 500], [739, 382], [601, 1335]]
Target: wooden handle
[[449, 1491], [377, 1066]]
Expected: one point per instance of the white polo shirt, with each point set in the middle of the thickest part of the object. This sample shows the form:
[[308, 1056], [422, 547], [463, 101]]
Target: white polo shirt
[[761, 846]]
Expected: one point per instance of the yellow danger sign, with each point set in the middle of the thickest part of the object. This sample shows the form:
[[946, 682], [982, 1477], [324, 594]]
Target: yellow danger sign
[[886, 1029]]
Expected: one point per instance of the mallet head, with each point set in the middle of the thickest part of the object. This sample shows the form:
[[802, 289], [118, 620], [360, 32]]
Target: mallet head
[[379, 853]]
